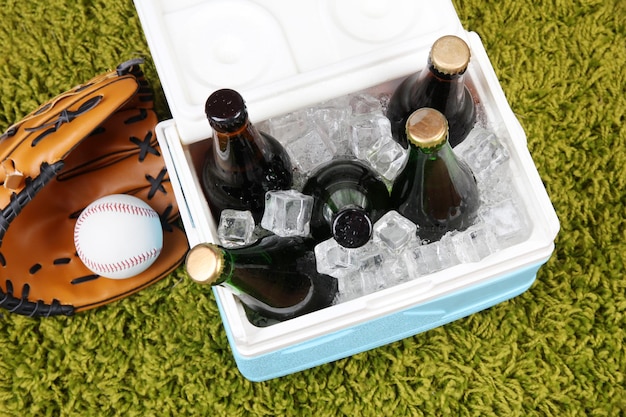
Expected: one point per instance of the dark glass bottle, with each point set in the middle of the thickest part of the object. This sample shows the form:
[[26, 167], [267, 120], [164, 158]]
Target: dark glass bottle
[[242, 163], [440, 86], [348, 198], [435, 190], [276, 276]]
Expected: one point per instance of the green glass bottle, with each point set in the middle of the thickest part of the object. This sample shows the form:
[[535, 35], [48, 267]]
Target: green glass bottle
[[441, 85], [275, 277], [242, 163], [348, 198], [435, 190]]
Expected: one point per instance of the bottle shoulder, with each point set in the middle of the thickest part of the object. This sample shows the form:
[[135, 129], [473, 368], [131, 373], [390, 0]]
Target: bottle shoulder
[[343, 173]]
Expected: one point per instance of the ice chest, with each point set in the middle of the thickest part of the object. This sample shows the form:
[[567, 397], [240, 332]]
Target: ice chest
[[283, 55]]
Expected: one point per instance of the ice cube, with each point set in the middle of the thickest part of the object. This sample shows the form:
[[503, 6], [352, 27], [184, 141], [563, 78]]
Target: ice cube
[[497, 186], [365, 104], [475, 243], [370, 259], [330, 116], [331, 119], [287, 213], [427, 259], [333, 259], [289, 126], [387, 157], [483, 151], [365, 274], [236, 228], [359, 271], [302, 140], [394, 231], [310, 150], [508, 220], [366, 132], [384, 99], [349, 287], [379, 270]]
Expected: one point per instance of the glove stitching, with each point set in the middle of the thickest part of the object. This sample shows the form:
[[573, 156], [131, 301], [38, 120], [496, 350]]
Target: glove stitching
[[61, 261], [11, 131], [84, 279], [156, 184], [66, 116], [25, 292], [167, 227], [145, 146], [30, 308], [23, 305], [143, 115]]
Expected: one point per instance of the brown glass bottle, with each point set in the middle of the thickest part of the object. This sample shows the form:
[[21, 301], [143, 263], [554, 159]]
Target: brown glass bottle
[[440, 86], [435, 190], [242, 163], [348, 198], [276, 276]]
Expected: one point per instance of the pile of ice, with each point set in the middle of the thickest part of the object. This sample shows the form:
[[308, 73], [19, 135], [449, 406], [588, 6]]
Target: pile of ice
[[355, 127]]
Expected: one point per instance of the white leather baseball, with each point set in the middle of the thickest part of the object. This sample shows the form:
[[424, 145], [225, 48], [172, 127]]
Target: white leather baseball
[[118, 236]]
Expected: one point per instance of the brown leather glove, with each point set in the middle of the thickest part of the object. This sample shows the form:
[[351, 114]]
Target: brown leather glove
[[94, 140]]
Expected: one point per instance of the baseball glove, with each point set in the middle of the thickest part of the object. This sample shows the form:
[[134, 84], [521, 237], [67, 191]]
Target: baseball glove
[[94, 140]]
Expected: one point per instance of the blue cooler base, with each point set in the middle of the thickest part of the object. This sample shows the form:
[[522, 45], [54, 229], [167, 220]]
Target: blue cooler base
[[384, 330]]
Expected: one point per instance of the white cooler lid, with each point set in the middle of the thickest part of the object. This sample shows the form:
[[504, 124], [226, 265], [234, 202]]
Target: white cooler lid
[[284, 54]]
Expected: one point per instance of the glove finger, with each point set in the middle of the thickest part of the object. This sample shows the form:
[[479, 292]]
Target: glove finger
[[48, 134]]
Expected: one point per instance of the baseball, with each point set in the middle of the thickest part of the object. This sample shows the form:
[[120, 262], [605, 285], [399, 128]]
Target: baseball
[[118, 236]]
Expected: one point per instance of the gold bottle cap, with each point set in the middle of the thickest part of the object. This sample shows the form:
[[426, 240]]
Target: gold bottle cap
[[450, 55], [427, 128], [204, 263]]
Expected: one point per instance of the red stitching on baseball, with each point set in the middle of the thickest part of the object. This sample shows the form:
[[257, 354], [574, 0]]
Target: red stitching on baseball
[[123, 264], [120, 208]]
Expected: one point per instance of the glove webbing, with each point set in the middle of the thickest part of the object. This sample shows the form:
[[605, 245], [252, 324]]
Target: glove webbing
[[19, 201]]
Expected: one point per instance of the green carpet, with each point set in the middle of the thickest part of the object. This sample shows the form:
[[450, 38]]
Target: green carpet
[[556, 350]]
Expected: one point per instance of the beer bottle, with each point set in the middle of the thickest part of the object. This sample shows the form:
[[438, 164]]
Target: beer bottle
[[435, 190], [242, 163], [440, 86], [348, 197], [275, 277]]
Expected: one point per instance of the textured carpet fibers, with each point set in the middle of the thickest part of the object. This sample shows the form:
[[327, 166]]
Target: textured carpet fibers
[[556, 350]]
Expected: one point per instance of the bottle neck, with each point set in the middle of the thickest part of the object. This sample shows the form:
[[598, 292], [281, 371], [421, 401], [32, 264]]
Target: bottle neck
[[270, 274], [438, 162], [246, 133], [226, 271], [443, 152], [239, 150], [443, 76], [344, 198], [340, 184], [439, 90]]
